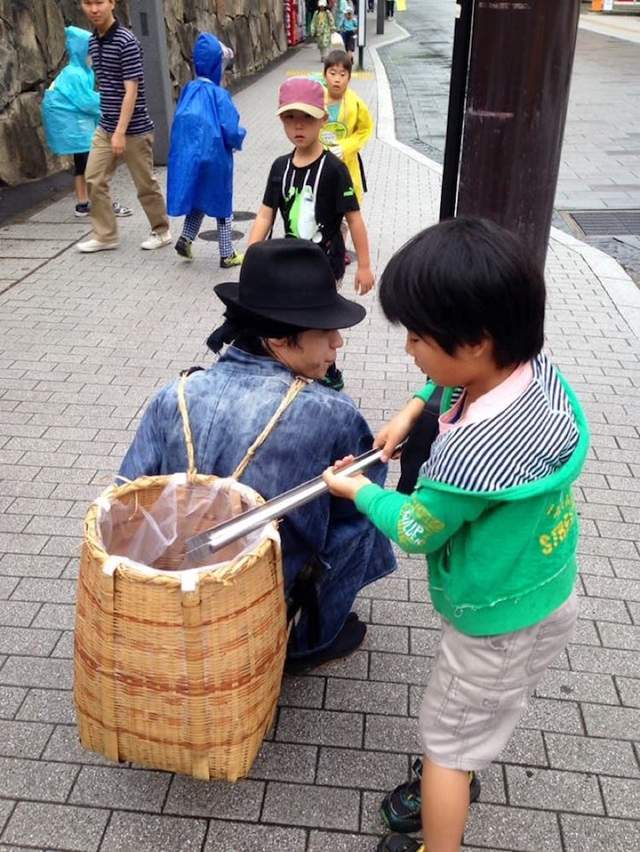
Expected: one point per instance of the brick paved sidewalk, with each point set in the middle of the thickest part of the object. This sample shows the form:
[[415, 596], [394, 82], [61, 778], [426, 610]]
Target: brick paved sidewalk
[[85, 341]]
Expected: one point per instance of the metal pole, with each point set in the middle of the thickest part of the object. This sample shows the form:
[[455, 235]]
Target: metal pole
[[362, 32], [380, 17], [455, 117], [518, 92]]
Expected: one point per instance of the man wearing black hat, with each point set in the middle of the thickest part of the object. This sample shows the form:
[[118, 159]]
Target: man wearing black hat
[[278, 331]]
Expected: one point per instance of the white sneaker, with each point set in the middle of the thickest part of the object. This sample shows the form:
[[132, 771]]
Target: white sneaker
[[156, 241], [95, 245]]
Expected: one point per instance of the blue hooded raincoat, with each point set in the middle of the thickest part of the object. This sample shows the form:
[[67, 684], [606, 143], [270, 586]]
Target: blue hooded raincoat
[[71, 105], [205, 132]]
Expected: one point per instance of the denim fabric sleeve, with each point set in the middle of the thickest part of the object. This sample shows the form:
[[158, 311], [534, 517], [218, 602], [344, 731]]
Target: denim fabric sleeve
[[354, 439], [144, 456]]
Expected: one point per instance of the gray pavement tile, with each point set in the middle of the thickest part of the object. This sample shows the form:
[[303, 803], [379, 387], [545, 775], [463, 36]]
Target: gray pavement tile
[[604, 609], [60, 616], [189, 797], [369, 770], [5, 809], [578, 686], [623, 723], [64, 745], [316, 807], [629, 689], [48, 705], [525, 746], [37, 672], [319, 728], [133, 789], [17, 613], [47, 591], [517, 829], [22, 543], [585, 633], [388, 588], [23, 739], [599, 835], [320, 841], [404, 614], [285, 762], [33, 779], [148, 833], [58, 826], [59, 545], [366, 697], [612, 587], [392, 733], [11, 697], [31, 566], [64, 646], [584, 754], [29, 641], [584, 658], [553, 790], [370, 819], [547, 714], [424, 642], [622, 797], [356, 666], [7, 585], [241, 837], [399, 668], [619, 635], [386, 637]]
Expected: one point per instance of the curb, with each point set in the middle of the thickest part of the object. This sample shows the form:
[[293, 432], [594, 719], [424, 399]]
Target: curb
[[618, 285]]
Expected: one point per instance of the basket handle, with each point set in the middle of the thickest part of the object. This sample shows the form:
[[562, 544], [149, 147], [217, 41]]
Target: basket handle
[[294, 389], [186, 426]]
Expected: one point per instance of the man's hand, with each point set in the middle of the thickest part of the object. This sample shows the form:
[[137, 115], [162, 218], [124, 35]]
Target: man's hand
[[344, 486], [118, 143], [398, 428], [364, 280]]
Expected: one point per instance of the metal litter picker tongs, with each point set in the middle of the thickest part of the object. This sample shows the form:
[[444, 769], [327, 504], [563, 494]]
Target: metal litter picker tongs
[[200, 547]]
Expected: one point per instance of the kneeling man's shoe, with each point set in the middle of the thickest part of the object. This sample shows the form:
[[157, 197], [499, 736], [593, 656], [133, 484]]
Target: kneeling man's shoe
[[90, 246], [346, 642], [400, 843]]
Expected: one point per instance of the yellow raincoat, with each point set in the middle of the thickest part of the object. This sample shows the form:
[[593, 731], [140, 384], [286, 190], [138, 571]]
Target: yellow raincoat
[[351, 132]]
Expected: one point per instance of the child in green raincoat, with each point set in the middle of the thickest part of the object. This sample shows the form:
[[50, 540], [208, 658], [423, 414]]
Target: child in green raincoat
[[493, 510]]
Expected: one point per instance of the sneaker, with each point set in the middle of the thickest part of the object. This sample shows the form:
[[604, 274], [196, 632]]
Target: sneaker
[[121, 211], [183, 247], [400, 808], [333, 378], [346, 642], [95, 245], [82, 210], [234, 259], [156, 240], [400, 843]]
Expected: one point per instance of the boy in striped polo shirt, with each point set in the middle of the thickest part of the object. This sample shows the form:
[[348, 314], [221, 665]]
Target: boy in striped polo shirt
[[493, 510], [125, 130]]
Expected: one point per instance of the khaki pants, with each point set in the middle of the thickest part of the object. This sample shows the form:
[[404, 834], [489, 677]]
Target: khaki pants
[[138, 155]]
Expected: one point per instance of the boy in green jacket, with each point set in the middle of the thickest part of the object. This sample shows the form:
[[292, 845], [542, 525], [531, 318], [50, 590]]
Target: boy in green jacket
[[493, 508]]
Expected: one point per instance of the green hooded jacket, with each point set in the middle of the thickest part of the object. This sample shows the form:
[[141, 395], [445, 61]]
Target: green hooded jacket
[[498, 560]]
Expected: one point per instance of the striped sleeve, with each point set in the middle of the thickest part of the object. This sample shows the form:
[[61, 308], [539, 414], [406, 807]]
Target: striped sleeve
[[131, 61]]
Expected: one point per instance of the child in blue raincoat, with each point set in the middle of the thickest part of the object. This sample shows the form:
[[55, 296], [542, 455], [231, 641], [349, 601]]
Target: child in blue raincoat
[[70, 114], [205, 132]]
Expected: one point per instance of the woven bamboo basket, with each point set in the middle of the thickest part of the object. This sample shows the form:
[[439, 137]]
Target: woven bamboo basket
[[178, 670]]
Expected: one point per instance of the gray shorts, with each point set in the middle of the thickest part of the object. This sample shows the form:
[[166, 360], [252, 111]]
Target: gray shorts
[[480, 686]]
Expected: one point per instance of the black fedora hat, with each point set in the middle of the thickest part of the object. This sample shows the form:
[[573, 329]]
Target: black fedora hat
[[290, 281]]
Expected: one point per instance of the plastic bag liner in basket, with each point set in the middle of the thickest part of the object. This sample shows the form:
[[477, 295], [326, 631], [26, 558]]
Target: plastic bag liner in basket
[[178, 667]]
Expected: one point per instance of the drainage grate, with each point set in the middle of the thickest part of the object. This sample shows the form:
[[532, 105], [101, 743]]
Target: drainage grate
[[243, 215], [212, 236], [594, 222]]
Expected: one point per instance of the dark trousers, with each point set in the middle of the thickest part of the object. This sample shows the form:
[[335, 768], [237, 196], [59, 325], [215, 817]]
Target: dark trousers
[[390, 7]]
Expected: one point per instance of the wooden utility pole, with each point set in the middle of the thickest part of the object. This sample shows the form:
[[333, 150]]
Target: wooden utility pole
[[520, 64]]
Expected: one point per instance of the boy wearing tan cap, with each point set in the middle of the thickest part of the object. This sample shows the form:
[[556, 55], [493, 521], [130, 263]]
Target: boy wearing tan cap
[[311, 187]]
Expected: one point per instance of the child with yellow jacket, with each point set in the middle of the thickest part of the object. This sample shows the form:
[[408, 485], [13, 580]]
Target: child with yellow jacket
[[349, 124]]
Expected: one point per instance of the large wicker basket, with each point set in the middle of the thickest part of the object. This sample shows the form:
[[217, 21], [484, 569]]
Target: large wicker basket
[[178, 670]]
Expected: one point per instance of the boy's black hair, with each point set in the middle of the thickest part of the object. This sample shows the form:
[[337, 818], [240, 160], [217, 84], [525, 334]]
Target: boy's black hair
[[339, 57], [464, 280]]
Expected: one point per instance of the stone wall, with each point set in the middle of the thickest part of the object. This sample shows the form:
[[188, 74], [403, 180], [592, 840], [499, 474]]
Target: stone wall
[[32, 52]]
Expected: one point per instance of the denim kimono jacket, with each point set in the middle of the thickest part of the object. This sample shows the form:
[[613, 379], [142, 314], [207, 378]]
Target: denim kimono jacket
[[229, 405]]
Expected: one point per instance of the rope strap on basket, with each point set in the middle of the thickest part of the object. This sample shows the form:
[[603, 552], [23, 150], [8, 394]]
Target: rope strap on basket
[[294, 389]]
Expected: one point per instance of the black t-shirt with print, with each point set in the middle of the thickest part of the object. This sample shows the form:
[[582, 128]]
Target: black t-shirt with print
[[334, 196]]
